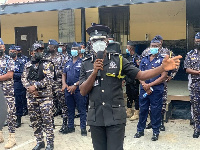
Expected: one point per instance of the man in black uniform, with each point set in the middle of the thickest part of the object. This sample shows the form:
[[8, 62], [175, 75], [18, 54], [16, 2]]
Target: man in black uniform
[[101, 77], [132, 86]]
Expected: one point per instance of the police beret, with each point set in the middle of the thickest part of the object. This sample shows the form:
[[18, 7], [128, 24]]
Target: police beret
[[18, 48], [12, 47], [61, 44], [53, 42], [110, 36], [1, 42], [131, 43], [159, 37], [197, 36], [76, 44], [36, 46], [98, 30], [155, 40]]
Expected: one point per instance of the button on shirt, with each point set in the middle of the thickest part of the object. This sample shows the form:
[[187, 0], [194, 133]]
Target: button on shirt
[[146, 64], [72, 71]]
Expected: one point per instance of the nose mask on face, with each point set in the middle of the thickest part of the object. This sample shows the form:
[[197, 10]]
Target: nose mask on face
[[110, 41], [82, 51], [99, 46], [1, 52], [60, 50], [19, 54], [154, 51], [127, 51], [12, 55], [197, 45], [38, 56], [74, 53]]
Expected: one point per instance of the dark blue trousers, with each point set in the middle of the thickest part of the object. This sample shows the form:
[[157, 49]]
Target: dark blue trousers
[[73, 100], [18, 102], [154, 101]]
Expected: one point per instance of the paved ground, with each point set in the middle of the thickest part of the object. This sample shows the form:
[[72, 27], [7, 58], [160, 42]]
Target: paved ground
[[178, 136]]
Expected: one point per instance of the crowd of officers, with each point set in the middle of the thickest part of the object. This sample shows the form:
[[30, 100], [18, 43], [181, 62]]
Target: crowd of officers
[[54, 82]]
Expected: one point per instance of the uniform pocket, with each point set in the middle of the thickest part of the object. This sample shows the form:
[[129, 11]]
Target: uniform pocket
[[119, 112], [91, 112]]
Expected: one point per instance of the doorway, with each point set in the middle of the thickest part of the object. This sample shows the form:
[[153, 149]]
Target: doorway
[[25, 37]]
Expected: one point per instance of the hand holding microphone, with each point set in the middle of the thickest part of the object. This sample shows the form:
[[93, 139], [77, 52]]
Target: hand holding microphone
[[98, 64]]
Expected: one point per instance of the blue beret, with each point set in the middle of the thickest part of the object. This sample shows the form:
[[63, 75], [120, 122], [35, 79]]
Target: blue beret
[[1, 42], [12, 47], [98, 30], [197, 36], [76, 44], [18, 48], [159, 37], [155, 40], [53, 42]]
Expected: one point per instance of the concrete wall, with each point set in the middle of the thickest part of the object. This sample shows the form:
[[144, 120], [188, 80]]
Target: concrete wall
[[166, 18], [77, 19], [46, 22]]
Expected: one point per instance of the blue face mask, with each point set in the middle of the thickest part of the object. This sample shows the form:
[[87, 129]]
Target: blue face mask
[[74, 53], [60, 50], [127, 51], [154, 51], [82, 51], [110, 41]]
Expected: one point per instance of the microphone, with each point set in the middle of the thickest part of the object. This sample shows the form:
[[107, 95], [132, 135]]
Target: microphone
[[99, 56]]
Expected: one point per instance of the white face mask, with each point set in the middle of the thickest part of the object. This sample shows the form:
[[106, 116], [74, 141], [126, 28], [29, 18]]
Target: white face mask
[[99, 46]]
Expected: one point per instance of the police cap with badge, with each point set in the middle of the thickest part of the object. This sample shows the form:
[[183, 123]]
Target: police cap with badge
[[53, 42]]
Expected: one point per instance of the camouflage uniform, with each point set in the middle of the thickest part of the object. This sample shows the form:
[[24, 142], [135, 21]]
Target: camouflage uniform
[[58, 96], [7, 64], [163, 52], [192, 62], [40, 106]]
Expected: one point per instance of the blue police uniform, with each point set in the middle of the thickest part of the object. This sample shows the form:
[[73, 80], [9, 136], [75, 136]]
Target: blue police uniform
[[23, 59], [72, 76], [18, 87], [154, 101]]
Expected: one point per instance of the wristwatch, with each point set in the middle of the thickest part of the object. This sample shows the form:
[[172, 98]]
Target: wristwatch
[[75, 84]]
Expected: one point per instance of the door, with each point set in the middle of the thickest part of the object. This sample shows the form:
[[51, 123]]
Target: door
[[117, 18], [25, 37]]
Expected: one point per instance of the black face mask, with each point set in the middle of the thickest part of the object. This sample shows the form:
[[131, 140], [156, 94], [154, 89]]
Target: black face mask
[[197, 45], [38, 56], [12, 55], [1, 52], [19, 54]]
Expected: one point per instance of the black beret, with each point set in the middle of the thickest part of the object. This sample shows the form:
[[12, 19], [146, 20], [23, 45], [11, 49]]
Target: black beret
[[131, 43]]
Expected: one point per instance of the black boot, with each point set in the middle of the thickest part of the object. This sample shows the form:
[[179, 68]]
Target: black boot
[[191, 122], [18, 122], [64, 125], [196, 134], [139, 134], [155, 137], [162, 127], [39, 146], [149, 126], [83, 132], [49, 147]]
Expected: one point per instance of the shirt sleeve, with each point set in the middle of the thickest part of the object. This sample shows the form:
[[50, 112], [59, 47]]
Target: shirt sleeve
[[187, 62], [128, 69], [82, 77], [11, 65]]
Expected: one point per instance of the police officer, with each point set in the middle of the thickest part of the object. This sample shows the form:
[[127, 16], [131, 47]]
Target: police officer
[[18, 87], [107, 114], [154, 87], [171, 74], [132, 86], [37, 78], [6, 84], [57, 59], [24, 59], [61, 100], [70, 83], [192, 66]]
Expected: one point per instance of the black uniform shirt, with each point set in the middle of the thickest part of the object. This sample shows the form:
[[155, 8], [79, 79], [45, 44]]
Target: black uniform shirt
[[106, 103]]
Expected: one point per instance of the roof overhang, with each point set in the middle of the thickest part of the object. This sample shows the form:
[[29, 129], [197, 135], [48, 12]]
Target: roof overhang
[[19, 8]]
